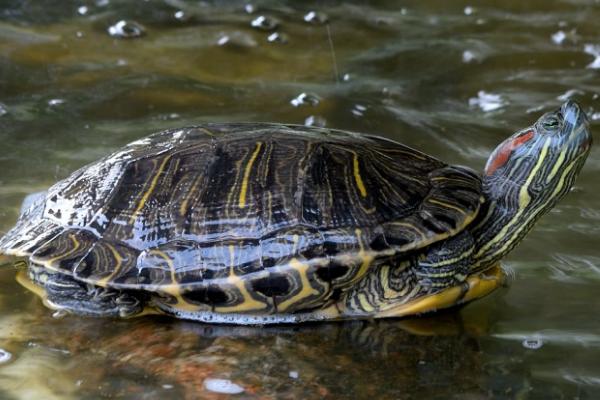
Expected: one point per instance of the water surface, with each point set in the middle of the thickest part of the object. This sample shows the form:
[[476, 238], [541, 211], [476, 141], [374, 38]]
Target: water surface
[[452, 79]]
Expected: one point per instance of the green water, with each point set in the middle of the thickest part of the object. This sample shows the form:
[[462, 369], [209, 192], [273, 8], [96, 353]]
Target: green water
[[450, 78]]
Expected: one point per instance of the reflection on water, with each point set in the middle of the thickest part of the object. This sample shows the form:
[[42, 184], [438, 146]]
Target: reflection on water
[[78, 79]]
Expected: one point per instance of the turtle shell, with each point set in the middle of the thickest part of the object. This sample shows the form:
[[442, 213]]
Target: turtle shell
[[267, 210]]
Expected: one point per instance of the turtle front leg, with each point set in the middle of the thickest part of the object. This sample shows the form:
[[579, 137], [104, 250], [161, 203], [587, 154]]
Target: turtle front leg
[[434, 280], [62, 292]]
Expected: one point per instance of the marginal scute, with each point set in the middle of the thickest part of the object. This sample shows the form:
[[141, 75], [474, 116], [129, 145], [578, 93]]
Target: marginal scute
[[65, 251], [245, 217]]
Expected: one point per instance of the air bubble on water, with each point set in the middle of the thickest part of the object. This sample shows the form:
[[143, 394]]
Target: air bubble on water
[[359, 110], [126, 29], [469, 10], [167, 386], [315, 120], [264, 23], [122, 62], [102, 3], [82, 10], [468, 56], [487, 101], [559, 37], [236, 39], [249, 8], [304, 99], [180, 15], [346, 77], [79, 34], [570, 94], [595, 116], [293, 374], [5, 356], [55, 102], [277, 37], [315, 17], [593, 50], [532, 343], [403, 11], [3, 110], [222, 386]]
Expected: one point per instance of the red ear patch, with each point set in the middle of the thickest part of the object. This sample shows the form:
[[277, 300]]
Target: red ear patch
[[500, 156]]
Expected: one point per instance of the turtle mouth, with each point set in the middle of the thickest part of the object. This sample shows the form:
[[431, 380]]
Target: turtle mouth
[[576, 125]]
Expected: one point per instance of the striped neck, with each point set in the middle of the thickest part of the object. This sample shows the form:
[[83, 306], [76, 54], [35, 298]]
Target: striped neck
[[497, 231], [516, 200], [525, 177]]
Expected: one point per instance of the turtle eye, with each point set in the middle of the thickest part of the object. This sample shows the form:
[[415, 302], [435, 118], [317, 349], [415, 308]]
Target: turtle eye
[[551, 123]]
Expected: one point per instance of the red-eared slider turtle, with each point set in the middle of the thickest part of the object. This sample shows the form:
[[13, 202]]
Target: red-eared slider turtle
[[265, 223]]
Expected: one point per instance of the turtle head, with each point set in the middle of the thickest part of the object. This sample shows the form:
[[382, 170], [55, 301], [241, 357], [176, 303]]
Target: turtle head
[[527, 175], [541, 162]]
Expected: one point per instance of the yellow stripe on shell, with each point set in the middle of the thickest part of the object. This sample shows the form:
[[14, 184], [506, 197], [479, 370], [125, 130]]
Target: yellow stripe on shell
[[244, 189], [365, 257], [150, 189], [357, 178]]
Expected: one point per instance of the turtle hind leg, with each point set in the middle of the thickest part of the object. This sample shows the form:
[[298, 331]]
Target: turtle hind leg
[[62, 292]]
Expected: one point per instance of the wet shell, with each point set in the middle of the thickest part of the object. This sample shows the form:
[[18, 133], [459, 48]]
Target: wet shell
[[244, 217]]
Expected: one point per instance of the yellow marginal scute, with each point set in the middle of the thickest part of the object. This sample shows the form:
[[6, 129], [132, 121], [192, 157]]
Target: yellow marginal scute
[[118, 263], [174, 288], [244, 188], [306, 290], [49, 263], [248, 303]]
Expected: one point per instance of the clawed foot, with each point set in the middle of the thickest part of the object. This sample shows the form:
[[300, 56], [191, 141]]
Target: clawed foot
[[65, 293]]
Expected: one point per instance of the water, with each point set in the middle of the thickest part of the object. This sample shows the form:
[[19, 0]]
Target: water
[[450, 78]]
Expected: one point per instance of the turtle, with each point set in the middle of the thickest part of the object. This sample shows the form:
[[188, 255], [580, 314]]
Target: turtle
[[264, 223]]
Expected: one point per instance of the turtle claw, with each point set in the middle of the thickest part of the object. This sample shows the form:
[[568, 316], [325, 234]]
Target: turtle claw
[[128, 305]]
